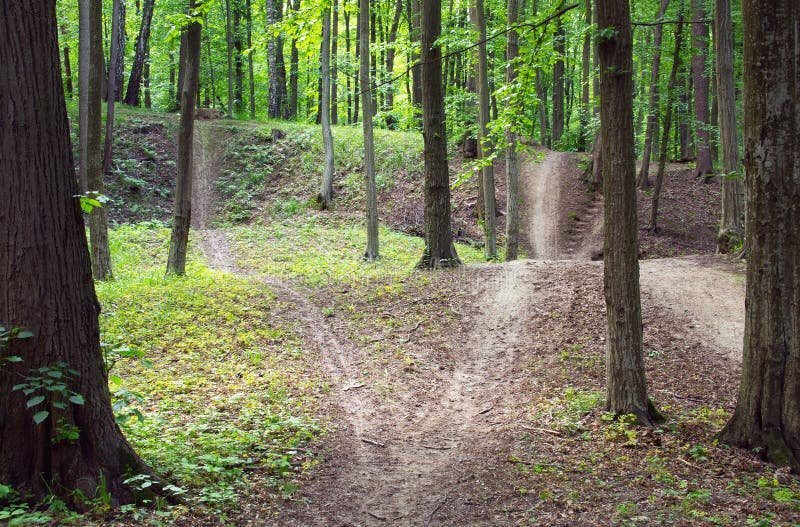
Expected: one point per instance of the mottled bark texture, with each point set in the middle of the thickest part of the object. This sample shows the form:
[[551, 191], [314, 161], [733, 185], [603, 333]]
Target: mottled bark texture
[[325, 197], [278, 107], [626, 387], [372, 251], [731, 231], [440, 250], [559, 49], [701, 83], [182, 217], [47, 281], [140, 55], [767, 415], [512, 162], [484, 140]]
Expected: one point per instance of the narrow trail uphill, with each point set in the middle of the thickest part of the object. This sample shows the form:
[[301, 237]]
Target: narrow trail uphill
[[435, 451]]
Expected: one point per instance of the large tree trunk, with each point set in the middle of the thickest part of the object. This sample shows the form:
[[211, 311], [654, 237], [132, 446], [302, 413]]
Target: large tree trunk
[[372, 251], [326, 190], [559, 48], [731, 230], [46, 275], [662, 160], [439, 248], [626, 387], [767, 415], [90, 117], [140, 55], [703, 164], [653, 103], [512, 163], [176, 262], [484, 140]]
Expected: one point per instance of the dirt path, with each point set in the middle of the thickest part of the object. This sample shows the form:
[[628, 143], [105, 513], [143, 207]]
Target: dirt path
[[541, 189]]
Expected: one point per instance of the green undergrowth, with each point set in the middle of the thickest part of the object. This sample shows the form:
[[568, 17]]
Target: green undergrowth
[[318, 250], [224, 387]]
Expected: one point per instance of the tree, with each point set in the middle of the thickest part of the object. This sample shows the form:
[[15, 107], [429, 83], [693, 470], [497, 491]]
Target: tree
[[47, 282], [484, 141], [140, 54], [372, 251], [585, 72], [653, 102], [731, 230], [90, 117], [67, 62], [512, 163], [701, 82], [250, 69], [229, 49], [559, 48], [326, 190], [767, 414], [277, 69], [626, 387], [182, 217], [671, 88], [439, 248]]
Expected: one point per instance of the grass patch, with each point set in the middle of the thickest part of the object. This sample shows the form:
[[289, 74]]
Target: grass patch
[[225, 389]]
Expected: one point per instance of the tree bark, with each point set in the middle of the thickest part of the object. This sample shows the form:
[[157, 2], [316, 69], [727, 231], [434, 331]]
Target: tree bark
[[731, 230], [484, 140], [238, 62], [119, 66], [671, 86], [585, 73], [250, 73], [294, 74], [140, 55], [326, 190], [626, 387], [703, 163], [90, 130], [67, 63], [391, 52], [439, 248], [176, 262], [415, 35], [335, 64], [767, 414], [559, 48], [277, 70], [653, 102], [229, 49], [45, 268], [372, 251], [512, 163]]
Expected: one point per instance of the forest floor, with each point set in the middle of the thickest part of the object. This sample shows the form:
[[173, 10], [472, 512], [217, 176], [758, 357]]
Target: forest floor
[[474, 397]]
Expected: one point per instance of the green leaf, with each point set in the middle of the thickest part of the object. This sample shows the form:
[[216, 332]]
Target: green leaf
[[14, 358], [38, 417], [77, 399], [24, 334], [56, 374], [33, 401]]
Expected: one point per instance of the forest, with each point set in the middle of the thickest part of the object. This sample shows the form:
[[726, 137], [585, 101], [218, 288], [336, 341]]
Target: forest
[[400, 262]]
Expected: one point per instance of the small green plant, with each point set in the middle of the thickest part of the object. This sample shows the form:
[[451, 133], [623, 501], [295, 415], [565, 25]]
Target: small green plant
[[49, 386], [6, 336], [621, 428]]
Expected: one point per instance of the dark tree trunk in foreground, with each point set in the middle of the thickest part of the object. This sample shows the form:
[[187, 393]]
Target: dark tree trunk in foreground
[[140, 55], [701, 82], [372, 251], [512, 162], [90, 118], [662, 159], [653, 103], [731, 230], [439, 248], [767, 415], [626, 387], [47, 281], [176, 263]]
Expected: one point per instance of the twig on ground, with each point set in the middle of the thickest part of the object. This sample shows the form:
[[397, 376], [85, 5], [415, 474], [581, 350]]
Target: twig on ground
[[543, 430], [433, 447], [380, 518], [485, 411], [371, 442]]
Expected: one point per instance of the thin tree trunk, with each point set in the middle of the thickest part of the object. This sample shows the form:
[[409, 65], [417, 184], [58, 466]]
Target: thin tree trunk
[[347, 52], [250, 73], [91, 172], [512, 163], [484, 140], [626, 387], [767, 415], [653, 103], [662, 161], [335, 64], [119, 67], [326, 190], [372, 251], [238, 62], [392, 51], [703, 163], [440, 250], [294, 74], [597, 147], [731, 230], [559, 46], [46, 274], [277, 73], [229, 50], [181, 69], [414, 35], [140, 55], [176, 263], [148, 102], [585, 81], [67, 63]]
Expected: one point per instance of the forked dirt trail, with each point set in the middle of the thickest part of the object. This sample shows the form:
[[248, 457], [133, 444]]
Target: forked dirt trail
[[423, 454]]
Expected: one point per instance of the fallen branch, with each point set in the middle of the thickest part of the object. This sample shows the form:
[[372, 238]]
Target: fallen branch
[[371, 442]]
